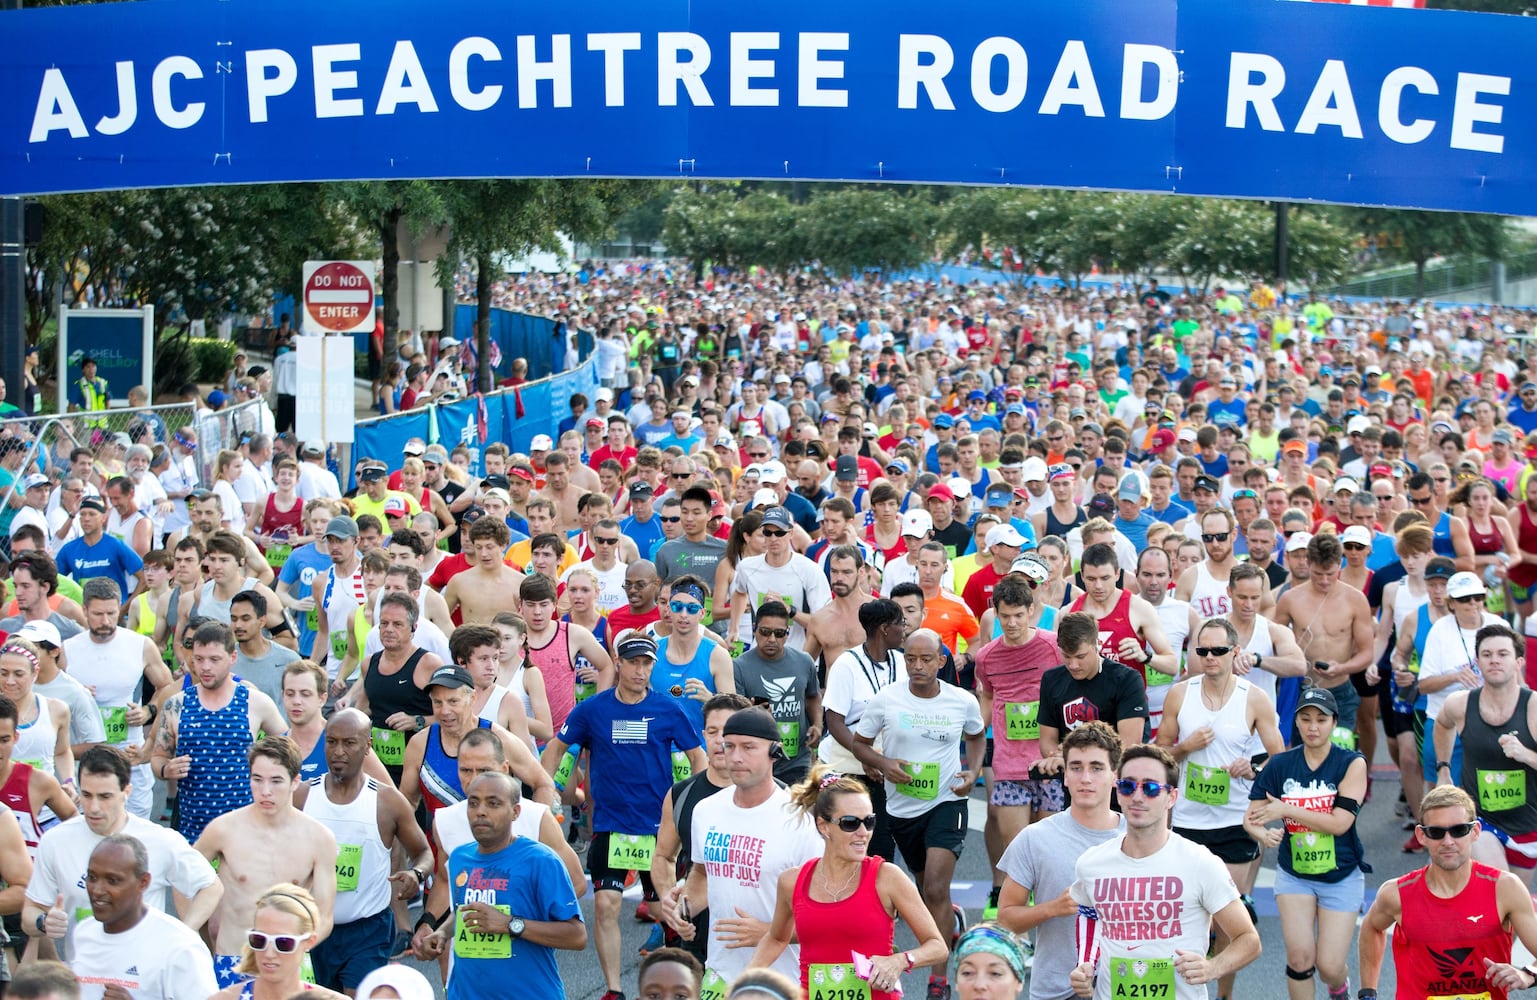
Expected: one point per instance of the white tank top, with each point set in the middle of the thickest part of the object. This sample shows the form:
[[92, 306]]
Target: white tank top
[[1261, 643], [362, 860], [493, 706], [1175, 617], [1205, 771], [1209, 595], [1406, 604], [514, 682], [36, 740], [114, 669]]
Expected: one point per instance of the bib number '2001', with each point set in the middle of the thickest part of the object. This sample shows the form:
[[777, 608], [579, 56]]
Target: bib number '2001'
[[924, 783]]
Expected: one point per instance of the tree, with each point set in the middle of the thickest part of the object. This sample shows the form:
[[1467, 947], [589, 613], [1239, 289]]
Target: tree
[[1416, 236], [382, 206], [854, 228]]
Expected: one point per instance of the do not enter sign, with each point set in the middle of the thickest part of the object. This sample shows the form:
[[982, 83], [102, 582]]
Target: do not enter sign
[[338, 296]]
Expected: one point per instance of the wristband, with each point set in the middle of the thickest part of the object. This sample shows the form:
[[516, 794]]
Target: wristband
[[430, 919], [909, 956], [42, 922], [1443, 763]]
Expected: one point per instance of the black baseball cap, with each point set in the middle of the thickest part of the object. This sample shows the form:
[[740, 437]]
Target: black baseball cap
[[452, 676], [1207, 483], [752, 722], [1319, 698]]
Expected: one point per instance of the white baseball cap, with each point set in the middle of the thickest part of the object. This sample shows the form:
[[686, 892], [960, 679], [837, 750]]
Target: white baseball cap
[[541, 442], [917, 523], [1298, 541], [1356, 534], [1034, 470], [1465, 585], [1004, 534]]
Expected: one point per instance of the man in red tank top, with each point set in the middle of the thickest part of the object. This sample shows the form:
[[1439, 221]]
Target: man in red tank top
[[1128, 625], [1455, 916]]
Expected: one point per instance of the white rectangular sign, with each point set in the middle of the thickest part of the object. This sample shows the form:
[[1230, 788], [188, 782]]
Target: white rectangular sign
[[326, 402]]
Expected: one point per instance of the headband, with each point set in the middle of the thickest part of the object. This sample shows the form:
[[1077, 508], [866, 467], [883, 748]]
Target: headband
[[691, 589], [25, 654], [992, 940], [763, 988], [308, 906]]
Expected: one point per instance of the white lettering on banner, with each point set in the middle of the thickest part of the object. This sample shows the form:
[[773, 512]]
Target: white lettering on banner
[[758, 72]]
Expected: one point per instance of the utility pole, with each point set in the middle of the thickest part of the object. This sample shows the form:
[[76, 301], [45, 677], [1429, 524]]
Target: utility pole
[[1280, 242], [13, 282]]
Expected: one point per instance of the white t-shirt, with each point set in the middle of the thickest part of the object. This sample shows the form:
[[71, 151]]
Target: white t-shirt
[[926, 732], [1447, 650], [610, 584], [160, 957], [900, 570], [65, 851], [852, 680], [798, 583], [743, 852], [316, 481], [1149, 908], [30, 515], [234, 513]]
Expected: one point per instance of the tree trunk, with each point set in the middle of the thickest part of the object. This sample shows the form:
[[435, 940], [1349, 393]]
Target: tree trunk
[[389, 281], [1419, 277], [483, 321]]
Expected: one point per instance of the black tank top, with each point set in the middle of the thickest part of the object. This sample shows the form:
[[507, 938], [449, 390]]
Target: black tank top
[[1505, 790], [1060, 528], [397, 692]]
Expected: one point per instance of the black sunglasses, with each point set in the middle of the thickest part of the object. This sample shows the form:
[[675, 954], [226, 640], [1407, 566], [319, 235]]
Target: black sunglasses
[[1457, 831], [671, 520], [774, 533], [1355, 547], [600, 540], [1127, 787], [774, 633], [1213, 650], [1216, 536], [848, 824]]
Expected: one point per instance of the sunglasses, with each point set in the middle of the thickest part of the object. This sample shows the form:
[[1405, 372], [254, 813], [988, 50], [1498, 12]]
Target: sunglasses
[[1245, 495], [848, 824], [1213, 650], [1216, 536], [1355, 547], [1468, 600], [774, 633], [1419, 500], [758, 455], [1151, 789], [600, 540], [1456, 830], [681, 475], [285, 944], [685, 607], [671, 520], [774, 532]]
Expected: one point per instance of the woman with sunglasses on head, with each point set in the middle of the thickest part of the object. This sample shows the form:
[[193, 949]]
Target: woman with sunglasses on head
[[1315, 789], [281, 936], [842, 907]]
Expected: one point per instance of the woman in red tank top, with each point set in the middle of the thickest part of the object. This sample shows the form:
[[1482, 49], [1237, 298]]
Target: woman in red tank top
[[845, 903], [281, 527]]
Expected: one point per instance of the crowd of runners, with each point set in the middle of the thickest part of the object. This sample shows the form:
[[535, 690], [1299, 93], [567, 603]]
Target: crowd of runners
[[1142, 584]]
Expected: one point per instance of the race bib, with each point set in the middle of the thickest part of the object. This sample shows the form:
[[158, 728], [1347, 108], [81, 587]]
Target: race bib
[[835, 982], [1501, 790], [1343, 738], [925, 781], [115, 720], [36, 765], [1143, 977], [1157, 678], [349, 858], [629, 852], [312, 619], [478, 944], [1210, 786], [585, 690], [682, 770], [278, 554], [790, 737], [713, 987], [1022, 720], [339, 646], [1312, 853], [1481, 995], [563, 772], [390, 745]]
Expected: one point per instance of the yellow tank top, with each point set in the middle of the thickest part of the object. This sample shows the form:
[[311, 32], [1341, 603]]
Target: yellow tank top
[[147, 619]]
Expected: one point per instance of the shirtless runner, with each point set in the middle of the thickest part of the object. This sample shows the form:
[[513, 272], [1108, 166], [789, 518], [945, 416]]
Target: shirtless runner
[[562, 492], [1332, 623], [489, 585], [834, 628], [241, 843]]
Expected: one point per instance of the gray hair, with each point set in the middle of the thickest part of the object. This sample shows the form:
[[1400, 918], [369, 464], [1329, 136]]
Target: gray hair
[[134, 845]]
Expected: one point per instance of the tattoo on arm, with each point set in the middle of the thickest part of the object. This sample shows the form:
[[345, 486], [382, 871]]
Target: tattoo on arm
[[165, 740]]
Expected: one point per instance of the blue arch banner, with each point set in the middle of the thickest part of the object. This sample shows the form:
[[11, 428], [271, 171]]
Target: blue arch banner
[[1243, 98]]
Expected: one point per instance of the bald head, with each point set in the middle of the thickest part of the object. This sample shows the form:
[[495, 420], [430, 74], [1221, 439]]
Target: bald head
[[924, 641], [347, 741], [640, 571]]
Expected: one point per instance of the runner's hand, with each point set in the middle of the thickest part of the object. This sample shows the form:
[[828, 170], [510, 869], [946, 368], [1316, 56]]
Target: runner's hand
[[1063, 906], [667, 908], [886, 971], [1511, 744], [740, 931], [485, 918], [1130, 650], [964, 782], [1243, 662], [1082, 979], [895, 771], [1049, 765], [56, 923], [429, 945], [1193, 967], [177, 767], [1505, 977], [112, 991], [1242, 768], [136, 715], [408, 884], [1269, 811], [1272, 837], [1198, 740], [1373, 675], [402, 722]]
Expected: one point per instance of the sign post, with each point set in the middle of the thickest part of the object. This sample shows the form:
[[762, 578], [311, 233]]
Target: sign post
[[326, 407], [338, 297], [120, 341]]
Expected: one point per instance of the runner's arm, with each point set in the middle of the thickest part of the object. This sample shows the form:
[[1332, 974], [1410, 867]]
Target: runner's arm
[[63, 753], [1448, 725], [1373, 939], [1150, 629], [781, 929], [323, 881], [1287, 660], [664, 858], [15, 865], [411, 768], [1243, 940], [537, 782]]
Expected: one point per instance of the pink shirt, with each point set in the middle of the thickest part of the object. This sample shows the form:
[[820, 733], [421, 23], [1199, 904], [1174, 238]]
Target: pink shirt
[[1012, 675]]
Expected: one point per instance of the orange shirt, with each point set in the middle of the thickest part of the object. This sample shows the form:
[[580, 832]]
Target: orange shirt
[[951, 619]]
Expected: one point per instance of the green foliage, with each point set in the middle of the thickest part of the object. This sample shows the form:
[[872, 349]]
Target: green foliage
[[210, 357], [1414, 236]]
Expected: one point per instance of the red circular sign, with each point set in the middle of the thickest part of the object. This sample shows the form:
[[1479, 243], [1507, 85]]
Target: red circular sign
[[339, 296]]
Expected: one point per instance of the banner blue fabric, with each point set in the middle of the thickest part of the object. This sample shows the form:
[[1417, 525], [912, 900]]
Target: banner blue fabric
[[1246, 98], [115, 343], [384, 439], [517, 335]]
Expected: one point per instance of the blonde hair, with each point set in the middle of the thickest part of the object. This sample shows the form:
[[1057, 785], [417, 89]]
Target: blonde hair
[[285, 897]]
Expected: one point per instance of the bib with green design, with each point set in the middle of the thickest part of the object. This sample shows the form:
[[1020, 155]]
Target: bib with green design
[[925, 780], [835, 982], [116, 722], [1136, 979], [790, 737], [312, 619], [630, 852], [349, 858], [1501, 790], [585, 690], [339, 645], [278, 554], [1313, 853], [1343, 738], [682, 770], [390, 745], [477, 944], [84, 913], [1210, 786], [713, 987], [1022, 720], [563, 772], [1157, 678]]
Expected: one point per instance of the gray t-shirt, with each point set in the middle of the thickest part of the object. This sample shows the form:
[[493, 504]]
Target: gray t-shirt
[[1038, 860], [67, 628], [782, 686], [679, 556], [85, 725], [266, 673]]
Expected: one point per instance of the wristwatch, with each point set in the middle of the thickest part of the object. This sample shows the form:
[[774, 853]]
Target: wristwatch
[[1259, 660], [515, 927]]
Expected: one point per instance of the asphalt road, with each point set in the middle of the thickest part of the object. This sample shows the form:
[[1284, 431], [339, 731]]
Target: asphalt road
[[1381, 833]]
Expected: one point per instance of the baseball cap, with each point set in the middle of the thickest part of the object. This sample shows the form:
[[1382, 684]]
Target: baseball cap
[[641, 488], [1016, 408], [916, 523], [495, 492], [941, 491], [756, 722], [341, 526], [1101, 506], [396, 507], [470, 516], [1357, 424], [216, 399], [1298, 541], [1034, 470], [718, 506], [1319, 698], [944, 420], [1033, 566], [998, 495], [1186, 434], [1380, 470], [870, 430], [635, 645], [496, 481], [1004, 534], [599, 422], [1345, 484], [1356, 534], [40, 631], [847, 468], [723, 440], [413, 448], [1296, 444], [1502, 436], [435, 453], [1465, 585], [35, 480], [1163, 438], [773, 472], [1131, 487], [517, 472], [605, 394], [312, 448], [373, 472], [975, 395], [541, 442], [1207, 483], [898, 465], [779, 517], [765, 497], [450, 676], [1440, 568]]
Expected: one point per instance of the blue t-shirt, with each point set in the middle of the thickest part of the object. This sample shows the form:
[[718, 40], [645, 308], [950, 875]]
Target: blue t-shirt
[[646, 536], [631, 750], [686, 442], [299, 572], [1136, 531], [1176, 511], [1523, 418], [108, 557], [1216, 468], [1220, 413], [529, 880]]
